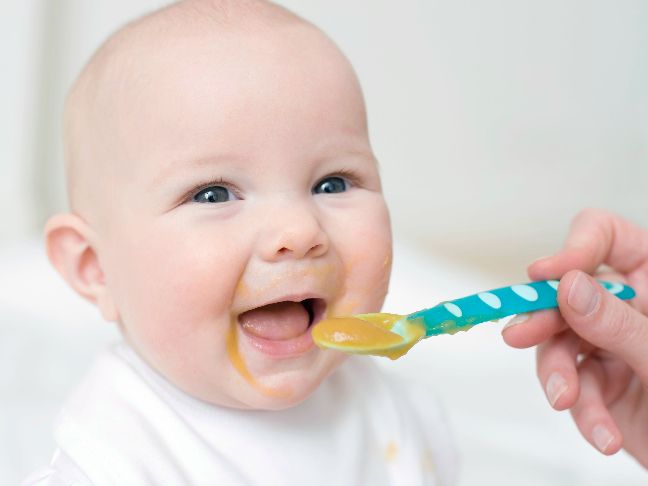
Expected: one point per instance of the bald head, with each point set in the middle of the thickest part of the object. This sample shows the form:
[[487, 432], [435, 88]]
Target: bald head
[[106, 105]]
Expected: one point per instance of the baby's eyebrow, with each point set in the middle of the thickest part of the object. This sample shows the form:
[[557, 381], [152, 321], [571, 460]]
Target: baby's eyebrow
[[172, 168], [181, 165]]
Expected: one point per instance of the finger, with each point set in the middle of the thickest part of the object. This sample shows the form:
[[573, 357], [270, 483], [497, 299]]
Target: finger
[[590, 413], [639, 285], [595, 237], [604, 320], [556, 368], [526, 330], [610, 277], [530, 329], [641, 290], [617, 373]]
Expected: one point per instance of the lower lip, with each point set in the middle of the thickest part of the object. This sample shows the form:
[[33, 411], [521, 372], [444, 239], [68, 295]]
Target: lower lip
[[286, 348]]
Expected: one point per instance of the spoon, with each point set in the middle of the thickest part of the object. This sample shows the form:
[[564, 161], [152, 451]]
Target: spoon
[[392, 335]]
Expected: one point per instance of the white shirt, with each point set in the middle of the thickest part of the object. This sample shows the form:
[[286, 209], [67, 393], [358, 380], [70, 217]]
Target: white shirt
[[127, 425]]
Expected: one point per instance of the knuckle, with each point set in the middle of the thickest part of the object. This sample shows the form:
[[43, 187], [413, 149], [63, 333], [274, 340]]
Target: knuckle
[[591, 233], [592, 213], [599, 221]]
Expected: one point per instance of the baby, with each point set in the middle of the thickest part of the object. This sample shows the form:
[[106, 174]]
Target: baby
[[224, 198]]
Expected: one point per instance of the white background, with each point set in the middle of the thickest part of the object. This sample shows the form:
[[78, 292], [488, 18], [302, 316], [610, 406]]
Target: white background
[[494, 122]]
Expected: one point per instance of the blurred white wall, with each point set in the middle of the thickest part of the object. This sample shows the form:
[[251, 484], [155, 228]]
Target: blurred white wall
[[494, 121]]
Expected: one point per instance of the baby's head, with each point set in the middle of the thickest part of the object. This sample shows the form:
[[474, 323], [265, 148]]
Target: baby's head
[[224, 196]]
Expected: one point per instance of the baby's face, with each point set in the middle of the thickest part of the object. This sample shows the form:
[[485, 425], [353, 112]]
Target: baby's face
[[245, 179]]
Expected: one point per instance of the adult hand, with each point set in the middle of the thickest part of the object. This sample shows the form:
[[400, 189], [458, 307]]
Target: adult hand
[[592, 355]]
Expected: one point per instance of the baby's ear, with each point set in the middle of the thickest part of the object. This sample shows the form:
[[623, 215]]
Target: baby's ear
[[68, 242]]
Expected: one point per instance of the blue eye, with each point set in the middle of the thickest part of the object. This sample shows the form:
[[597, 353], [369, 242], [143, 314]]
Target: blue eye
[[213, 194], [330, 185]]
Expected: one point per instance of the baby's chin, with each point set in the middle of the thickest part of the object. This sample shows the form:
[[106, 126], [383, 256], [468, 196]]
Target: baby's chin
[[290, 384]]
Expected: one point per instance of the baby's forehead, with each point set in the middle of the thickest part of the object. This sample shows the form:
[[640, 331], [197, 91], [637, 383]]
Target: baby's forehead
[[182, 30], [130, 62], [158, 65], [151, 53]]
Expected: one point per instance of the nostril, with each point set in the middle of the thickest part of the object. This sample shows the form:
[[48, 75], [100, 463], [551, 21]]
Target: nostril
[[317, 248], [313, 251]]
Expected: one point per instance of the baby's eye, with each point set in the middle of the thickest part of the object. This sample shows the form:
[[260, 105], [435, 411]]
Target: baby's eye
[[330, 185], [213, 194]]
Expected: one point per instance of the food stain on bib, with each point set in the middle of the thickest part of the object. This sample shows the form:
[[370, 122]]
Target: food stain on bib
[[427, 461], [391, 451]]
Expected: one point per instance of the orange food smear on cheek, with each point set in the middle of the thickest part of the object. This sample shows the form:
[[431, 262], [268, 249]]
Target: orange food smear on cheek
[[342, 309], [242, 289], [239, 364], [373, 277], [387, 261]]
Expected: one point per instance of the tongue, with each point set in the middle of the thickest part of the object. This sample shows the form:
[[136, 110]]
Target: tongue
[[280, 321]]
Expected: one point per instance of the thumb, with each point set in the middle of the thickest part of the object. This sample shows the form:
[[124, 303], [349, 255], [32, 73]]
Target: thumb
[[604, 320]]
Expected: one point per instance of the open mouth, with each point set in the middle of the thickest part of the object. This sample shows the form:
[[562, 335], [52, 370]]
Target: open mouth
[[283, 328]]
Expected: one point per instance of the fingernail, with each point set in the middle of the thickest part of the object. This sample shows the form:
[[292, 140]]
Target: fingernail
[[602, 437], [555, 387], [583, 297], [518, 319]]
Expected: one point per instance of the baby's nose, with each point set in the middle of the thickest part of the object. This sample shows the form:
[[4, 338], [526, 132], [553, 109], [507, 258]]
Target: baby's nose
[[294, 232]]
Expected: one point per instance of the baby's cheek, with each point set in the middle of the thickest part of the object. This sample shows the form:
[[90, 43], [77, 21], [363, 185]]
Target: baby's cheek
[[369, 279], [367, 267], [374, 244], [175, 285]]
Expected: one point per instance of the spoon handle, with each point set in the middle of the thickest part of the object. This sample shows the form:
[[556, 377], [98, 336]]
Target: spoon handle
[[463, 313]]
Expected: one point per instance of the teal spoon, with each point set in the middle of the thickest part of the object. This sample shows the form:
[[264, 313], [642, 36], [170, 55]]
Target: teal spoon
[[392, 335]]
